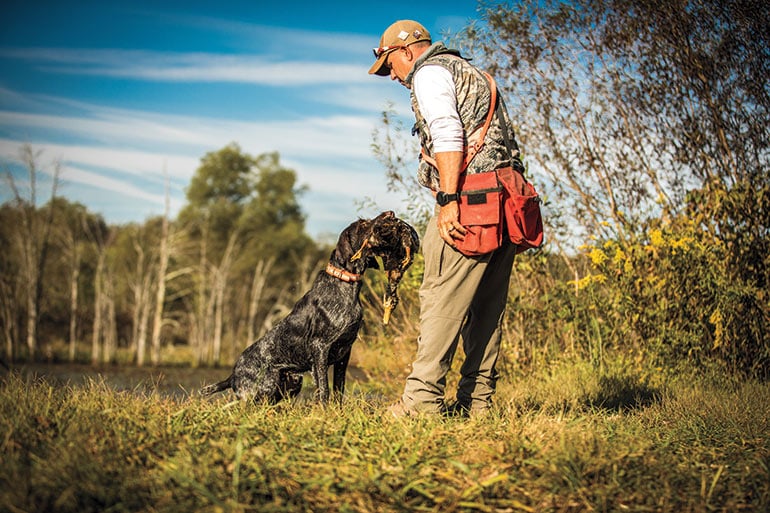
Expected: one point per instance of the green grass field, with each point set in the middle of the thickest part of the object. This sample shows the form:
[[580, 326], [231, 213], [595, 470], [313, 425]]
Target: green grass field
[[564, 439]]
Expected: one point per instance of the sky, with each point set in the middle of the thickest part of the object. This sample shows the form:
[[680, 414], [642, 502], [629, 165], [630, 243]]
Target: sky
[[124, 93]]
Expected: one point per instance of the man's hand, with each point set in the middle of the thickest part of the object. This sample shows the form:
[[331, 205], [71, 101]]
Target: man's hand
[[449, 227], [449, 164]]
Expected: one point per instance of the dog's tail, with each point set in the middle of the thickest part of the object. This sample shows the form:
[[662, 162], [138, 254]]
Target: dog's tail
[[217, 387]]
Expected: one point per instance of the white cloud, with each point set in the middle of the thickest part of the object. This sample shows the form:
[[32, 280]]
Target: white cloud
[[342, 137], [105, 183], [188, 67], [129, 162]]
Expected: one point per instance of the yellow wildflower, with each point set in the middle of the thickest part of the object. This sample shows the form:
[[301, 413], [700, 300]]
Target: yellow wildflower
[[597, 256], [587, 280], [656, 238], [719, 329]]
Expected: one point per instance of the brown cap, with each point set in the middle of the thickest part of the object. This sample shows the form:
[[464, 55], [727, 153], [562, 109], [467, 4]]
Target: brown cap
[[401, 33]]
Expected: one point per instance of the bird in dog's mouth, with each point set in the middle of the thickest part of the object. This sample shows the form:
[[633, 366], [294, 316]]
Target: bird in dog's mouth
[[396, 242]]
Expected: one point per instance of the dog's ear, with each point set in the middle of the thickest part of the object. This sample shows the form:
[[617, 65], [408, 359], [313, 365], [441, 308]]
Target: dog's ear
[[363, 238], [349, 242]]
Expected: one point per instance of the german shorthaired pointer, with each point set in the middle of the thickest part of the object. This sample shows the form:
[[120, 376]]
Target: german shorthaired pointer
[[321, 328]]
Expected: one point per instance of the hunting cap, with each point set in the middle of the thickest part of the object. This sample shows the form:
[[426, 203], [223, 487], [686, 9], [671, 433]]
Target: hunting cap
[[401, 33]]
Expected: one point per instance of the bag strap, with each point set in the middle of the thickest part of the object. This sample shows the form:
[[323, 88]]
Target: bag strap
[[475, 147], [513, 155]]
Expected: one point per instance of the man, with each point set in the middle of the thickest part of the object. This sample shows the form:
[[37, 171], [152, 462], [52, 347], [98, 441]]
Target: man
[[460, 296]]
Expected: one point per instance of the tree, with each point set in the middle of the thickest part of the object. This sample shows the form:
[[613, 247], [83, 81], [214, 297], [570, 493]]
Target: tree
[[649, 117], [10, 280], [33, 240], [102, 276], [626, 106], [160, 297], [241, 210], [75, 231]]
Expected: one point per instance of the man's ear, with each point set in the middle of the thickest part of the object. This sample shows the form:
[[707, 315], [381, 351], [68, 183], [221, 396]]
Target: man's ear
[[409, 54]]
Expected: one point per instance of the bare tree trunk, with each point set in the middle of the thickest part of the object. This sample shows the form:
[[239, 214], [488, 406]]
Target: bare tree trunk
[[261, 271], [142, 287], [138, 292], [8, 316], [96, 335], [202, 301], [29, 272], [218, 295], [110, 325], [74, 258], [45, 246], [144, 316], [208, 317], [220, 284], [31, 320], [195, 338], [28, 243], [74, 277], [34, 256], [160, 296]]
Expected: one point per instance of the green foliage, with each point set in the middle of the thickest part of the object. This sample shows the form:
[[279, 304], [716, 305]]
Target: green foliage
[[569, 439], [273, 223], [251, 199], [675, 294]]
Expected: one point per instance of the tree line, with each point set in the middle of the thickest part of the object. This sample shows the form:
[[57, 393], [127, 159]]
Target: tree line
[[223, 271]]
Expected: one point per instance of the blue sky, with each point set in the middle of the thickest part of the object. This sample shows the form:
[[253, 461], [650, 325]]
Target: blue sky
[[121, 92]]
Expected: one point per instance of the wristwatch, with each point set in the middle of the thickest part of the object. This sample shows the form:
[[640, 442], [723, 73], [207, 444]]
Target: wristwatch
[[443, 198]]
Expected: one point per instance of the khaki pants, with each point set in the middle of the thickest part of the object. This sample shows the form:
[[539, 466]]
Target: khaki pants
[[460, 297]]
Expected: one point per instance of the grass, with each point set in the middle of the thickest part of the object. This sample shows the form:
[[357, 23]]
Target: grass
[[564, 439]]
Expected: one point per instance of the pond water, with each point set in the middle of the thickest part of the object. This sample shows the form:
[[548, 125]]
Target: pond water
[[177, 382]]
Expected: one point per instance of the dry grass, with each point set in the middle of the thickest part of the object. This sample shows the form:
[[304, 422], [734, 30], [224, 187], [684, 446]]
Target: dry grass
[[568, 439]]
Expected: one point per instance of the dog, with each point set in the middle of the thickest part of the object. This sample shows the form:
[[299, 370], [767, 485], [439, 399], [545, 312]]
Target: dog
[[320, 330]]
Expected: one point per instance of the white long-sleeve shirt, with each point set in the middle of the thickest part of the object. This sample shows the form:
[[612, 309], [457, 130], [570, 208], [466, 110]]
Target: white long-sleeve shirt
[[434, 89]]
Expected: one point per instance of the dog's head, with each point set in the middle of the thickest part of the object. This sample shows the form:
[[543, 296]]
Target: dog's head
[[352, 251]]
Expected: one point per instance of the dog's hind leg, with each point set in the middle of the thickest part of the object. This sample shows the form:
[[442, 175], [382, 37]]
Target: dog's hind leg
[[267, 387], [290, 385]]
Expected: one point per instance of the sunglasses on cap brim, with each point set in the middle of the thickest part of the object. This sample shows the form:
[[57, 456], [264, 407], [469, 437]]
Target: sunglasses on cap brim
[[384, 49]]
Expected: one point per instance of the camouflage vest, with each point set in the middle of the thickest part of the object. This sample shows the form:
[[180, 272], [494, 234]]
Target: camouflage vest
[[473, 96]]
